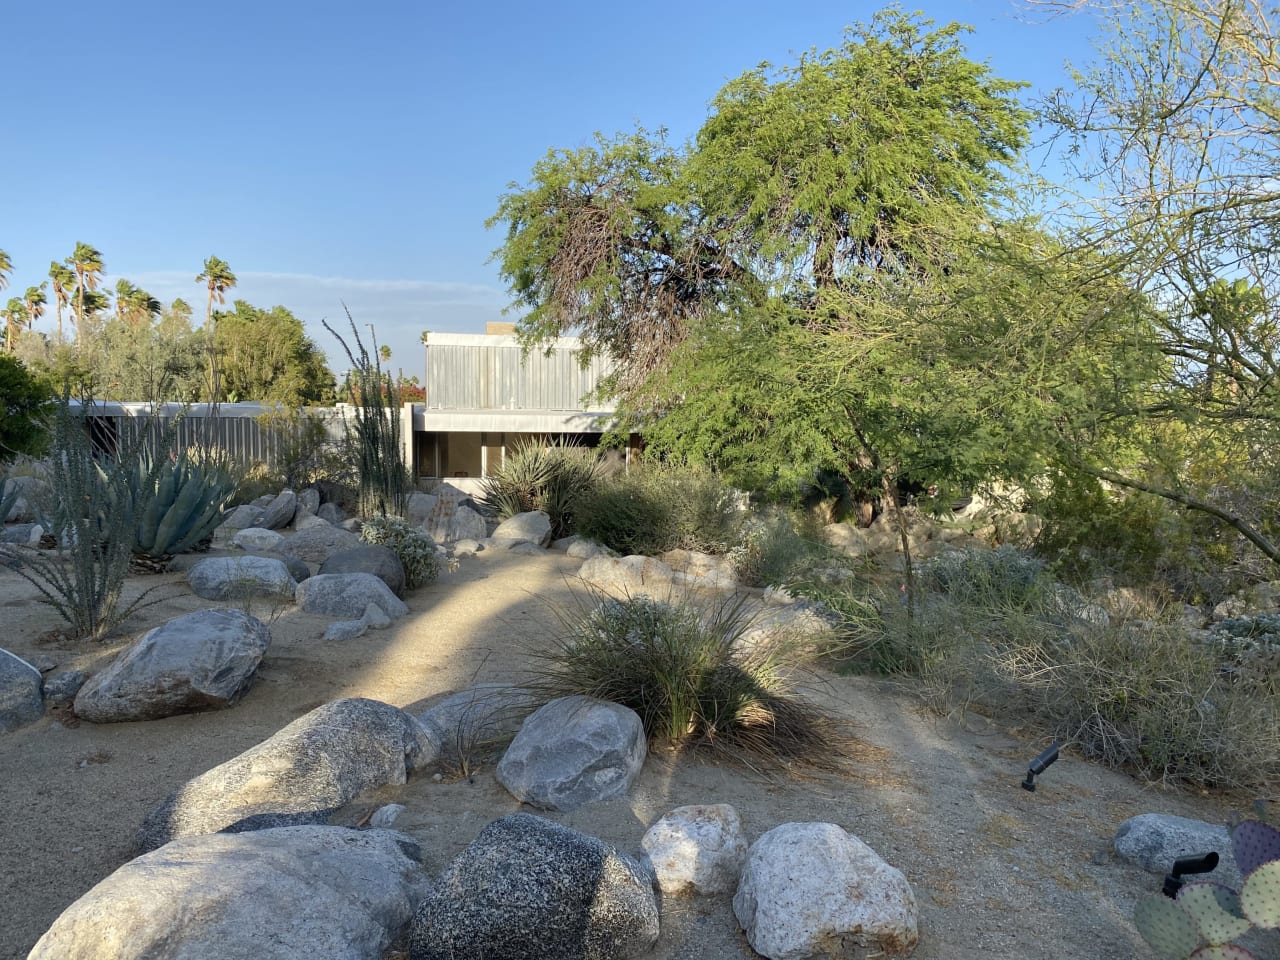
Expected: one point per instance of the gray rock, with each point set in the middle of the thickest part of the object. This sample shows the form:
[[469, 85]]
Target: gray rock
[[21, 701], [317, 544], [297, 568], [527, 887], [797, 624], [344, 630], [467, 548], [574, 751], [238, 578], [379, 560], [60, 689], [257, 539], [200, 661], [294, 893], [418, 507], [698, 849], [308, 502], [315, 765], [23, 534], [533, 526], [1153, 841], [331, 512], [482, 714], [525, 548], [634, 576], [241, 518], [346, 595], [702, 569], [584, 549], [452, 520], [31, 491], [386, 815], [847, 539], [808, 887], [305, 521], [279, 512]]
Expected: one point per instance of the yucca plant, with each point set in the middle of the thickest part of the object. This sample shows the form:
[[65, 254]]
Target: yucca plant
[[552, 478]]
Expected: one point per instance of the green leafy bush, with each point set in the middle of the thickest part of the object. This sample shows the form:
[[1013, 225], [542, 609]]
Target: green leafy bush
[[684, 672], [24, 410], [1249, 648], [416, 550], [552, 478], [656, 507], [770, 552]]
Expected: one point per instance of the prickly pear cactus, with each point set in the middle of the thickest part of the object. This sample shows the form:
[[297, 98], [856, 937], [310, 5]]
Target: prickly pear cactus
[[1255, 843], [1215, 910], [1167, 928], [1223, 951], [1260, 896]]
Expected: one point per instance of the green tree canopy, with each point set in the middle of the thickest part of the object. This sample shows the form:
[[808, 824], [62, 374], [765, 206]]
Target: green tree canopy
[[24, 400], [266, 355]]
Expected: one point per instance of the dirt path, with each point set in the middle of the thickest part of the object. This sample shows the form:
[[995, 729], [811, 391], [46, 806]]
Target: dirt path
[[998, 871]]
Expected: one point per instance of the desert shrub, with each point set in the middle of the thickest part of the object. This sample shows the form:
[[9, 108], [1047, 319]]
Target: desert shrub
[[182, 505], [682, 670], [995, 579], [1249, 648], [255, 481], [659, 507], [1145, 697], [90, 509], [770, 552], [552, 478], [416, 550], [306, 452]]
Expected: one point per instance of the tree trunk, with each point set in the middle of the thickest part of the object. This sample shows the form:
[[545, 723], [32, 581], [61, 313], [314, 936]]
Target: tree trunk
[[891, 497]]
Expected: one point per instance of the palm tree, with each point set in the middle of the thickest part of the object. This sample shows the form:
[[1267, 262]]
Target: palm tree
[[385, 353], [134, 305], [6, 268], [35, 301], [63, 280], [220, 279], [87, 263], [15, 316]]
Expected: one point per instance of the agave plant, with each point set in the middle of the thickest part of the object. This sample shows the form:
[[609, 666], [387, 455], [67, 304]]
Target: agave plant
[[1208, 918], [186, 507]]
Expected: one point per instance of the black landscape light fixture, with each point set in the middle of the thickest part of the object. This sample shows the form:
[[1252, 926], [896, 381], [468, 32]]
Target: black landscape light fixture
[[1038, 766], [1200, 863]]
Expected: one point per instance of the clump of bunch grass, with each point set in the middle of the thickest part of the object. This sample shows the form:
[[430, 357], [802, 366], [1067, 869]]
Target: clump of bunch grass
[[374, 438], [414, 547], [993, 633], [657, 507], [90, 507], [552, 478], [684, 671], [770, 552]]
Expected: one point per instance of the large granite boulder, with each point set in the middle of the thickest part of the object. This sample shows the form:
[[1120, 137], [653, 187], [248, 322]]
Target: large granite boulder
[[533, 526], [200, 661], [317, 544], [376, 559], [809, 886], [292, 893], [257, 539], [331, 513], [451, 520], [574, 751], [279, 512], [241, 518], [21, 700], [1153, 841], [308, 503], [633, 576], [22, 534], [527, 887], [697, 849], [418, 507], [31, 491], [322, 760], [241, 578], [347, 595], [343, 630]]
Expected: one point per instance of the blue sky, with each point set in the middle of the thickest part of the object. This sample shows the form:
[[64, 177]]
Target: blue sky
[[351, 152]]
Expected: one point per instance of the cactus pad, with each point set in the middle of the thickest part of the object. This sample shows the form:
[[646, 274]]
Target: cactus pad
[[1215, 910], [1254, 844], [1167, 928], [1260, 895], [1227, 951]]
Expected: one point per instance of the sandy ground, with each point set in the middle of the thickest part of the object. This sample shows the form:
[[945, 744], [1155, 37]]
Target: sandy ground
[[998, 871]]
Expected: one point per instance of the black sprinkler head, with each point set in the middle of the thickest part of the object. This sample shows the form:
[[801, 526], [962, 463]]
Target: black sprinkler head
[[1201, 863]]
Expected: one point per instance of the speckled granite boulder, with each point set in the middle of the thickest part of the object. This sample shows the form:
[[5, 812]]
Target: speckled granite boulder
[[697, 849], [21, 701], [293, 893], [527, 887], [303, 773]]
